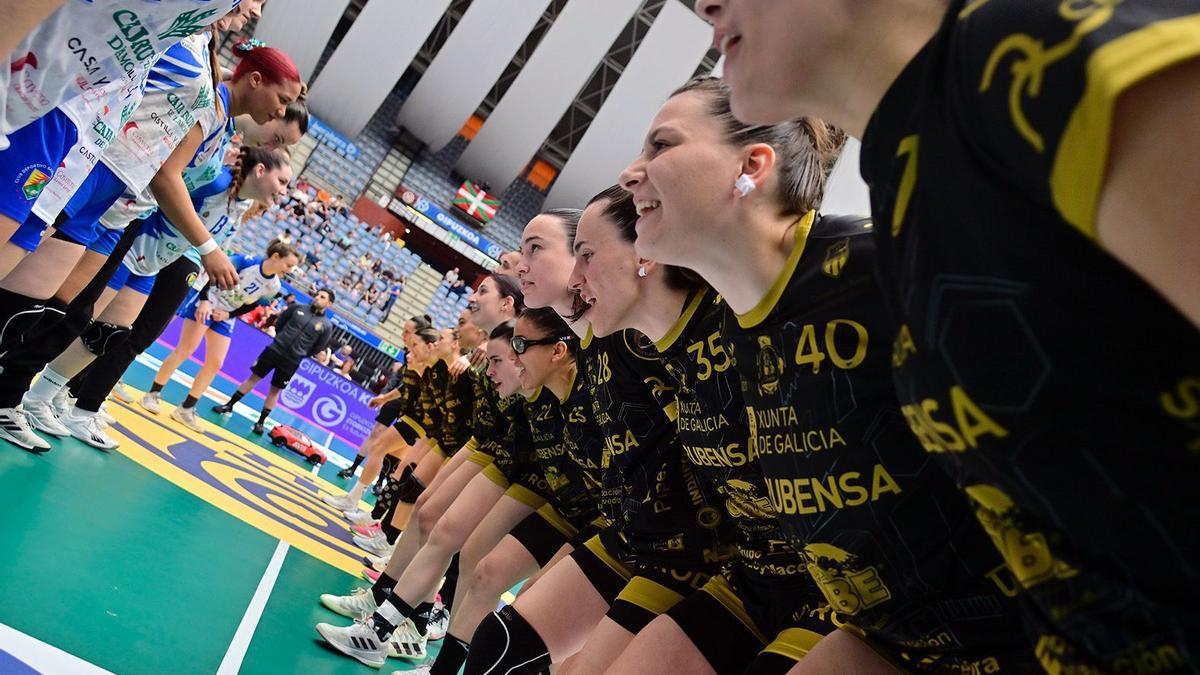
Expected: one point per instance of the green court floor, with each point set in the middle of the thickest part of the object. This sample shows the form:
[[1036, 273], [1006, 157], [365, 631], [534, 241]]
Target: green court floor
[[105, 559]]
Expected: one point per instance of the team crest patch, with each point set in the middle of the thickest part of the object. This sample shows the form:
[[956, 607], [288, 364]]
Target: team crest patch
[[191, 278], [770, 366], [34, 184], [835, 258], [317, 326]]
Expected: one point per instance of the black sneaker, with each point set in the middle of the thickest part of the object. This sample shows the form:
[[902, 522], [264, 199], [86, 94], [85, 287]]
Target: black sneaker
[[345, 473], [224, 409], [258, 429]]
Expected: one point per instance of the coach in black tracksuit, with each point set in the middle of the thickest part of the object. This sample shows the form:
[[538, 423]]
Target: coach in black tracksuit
[[300, 332]]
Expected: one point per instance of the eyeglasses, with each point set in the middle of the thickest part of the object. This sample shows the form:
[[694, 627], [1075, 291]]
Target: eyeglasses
[[520, 345]]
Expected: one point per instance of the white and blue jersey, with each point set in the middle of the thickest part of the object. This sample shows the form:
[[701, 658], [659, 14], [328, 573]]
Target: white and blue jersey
[[252, 285]]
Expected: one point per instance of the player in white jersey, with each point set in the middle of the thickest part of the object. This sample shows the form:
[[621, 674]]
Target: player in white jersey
[[263, 85], [262, 176], [209, 314]]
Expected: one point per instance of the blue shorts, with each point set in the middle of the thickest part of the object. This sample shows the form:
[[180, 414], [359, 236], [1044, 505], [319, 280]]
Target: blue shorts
[[80, 218], [188, 311], [34, 153], [125, 278], [106, 243]]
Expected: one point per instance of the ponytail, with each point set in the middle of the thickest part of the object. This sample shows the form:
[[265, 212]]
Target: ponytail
[[272, 64]]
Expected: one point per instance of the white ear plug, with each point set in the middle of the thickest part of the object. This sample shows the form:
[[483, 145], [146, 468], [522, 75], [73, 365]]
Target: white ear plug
[[744, 185], [642, 271]]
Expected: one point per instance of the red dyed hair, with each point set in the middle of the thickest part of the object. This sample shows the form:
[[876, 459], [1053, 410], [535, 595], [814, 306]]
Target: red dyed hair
[[274, 65]]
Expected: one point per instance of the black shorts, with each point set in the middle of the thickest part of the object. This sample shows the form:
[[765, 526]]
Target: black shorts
[[281, 367], [742, 615], [543, 533], [388, 412]]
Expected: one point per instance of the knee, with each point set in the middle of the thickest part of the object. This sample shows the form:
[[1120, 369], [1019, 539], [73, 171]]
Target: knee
[[427, 518], [488, 576], [446, 536]]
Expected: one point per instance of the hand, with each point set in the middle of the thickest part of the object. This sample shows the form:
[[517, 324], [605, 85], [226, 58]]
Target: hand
[[478, 356], [375, 402], [203, 311], [460, 366], [219, 315], [220, 270]]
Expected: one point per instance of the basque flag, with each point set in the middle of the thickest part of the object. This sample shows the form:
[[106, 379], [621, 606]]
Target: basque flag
[[478, 204]]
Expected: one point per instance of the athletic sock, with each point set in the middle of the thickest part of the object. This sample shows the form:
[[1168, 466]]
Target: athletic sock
[[189, 402], [46, 386], [358, 460], [420, 617], [356, 492], [237, 396], [391, 613], [262, 416], [450, 584], [382, 588], [156, 387], [506, 643], [452, 656]]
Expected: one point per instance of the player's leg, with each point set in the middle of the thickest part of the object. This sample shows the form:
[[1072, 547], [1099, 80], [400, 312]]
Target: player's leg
[[216, 347], [191, 334]]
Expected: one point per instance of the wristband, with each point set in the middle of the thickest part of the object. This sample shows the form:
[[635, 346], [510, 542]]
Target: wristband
[[207, 247]]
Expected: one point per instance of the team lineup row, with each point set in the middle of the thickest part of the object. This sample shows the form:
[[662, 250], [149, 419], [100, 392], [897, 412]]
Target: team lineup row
[[718, 430]]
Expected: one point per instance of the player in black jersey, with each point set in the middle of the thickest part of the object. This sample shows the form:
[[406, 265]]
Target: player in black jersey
[[384, 436], [665, 523], [885, 534], [1041, 264], [764, 596]]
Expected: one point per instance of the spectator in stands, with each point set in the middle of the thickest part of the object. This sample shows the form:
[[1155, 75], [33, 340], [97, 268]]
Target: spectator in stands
[[339, 205], [377, 266], [302, 185], [344, 360], [395, 288], [451, 277], [312, 259], [346, 241], [348, 281], [365, 261], [357, 291], [322, 357], [284, 237]]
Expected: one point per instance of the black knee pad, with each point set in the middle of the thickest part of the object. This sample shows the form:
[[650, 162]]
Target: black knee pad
[[19, 317], [506, 643], [101, 336], [411, 489]]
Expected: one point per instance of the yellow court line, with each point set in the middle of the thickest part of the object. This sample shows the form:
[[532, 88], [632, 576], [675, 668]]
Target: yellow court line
[[246, 481]]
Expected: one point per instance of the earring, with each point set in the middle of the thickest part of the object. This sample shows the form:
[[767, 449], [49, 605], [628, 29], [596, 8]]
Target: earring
[[744, 185], [642, 271]]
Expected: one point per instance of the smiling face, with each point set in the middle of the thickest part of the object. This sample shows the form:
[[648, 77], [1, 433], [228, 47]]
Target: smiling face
[[274, 134], [773, 50], [605, 271], [470, 335], [266, 185], [539, 361], [546, 263], [487, 305], [682, 183], [502, 367]]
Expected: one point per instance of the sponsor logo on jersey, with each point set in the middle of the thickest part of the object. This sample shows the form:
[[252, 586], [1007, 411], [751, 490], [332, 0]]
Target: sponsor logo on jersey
[[835, 258], [770, 367], [27, 61], [849, 587]]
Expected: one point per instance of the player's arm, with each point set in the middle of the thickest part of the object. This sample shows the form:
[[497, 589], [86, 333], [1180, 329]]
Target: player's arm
[[1149, 210], [172, 196]]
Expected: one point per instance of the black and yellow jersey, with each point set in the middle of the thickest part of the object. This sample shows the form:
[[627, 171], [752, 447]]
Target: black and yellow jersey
[[429, 402], [487, 422], [410, 421], [574, 486], [885, 533], [662, 512], [457, 405], [713, 429], [1058, 388]]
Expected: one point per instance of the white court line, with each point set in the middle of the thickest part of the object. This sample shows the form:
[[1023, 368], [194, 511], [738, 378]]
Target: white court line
[[44, 657], [236, 653]]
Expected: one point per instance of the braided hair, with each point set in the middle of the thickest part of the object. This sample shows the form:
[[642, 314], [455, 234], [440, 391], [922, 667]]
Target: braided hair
[[248, 158]]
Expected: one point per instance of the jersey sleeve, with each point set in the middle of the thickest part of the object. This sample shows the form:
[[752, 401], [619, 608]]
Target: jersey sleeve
[[1040, 81]]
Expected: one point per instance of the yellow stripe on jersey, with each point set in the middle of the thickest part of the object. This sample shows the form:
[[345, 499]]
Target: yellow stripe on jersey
[[481, 458], [1079, 167], [472, 444], [763, 309], [522, 494], [415, 426], [556, 521], [494, 474], [587, 339], [720, 589], [681, 323], [649, 595], [600, 551], [794, 643], [570, 386]]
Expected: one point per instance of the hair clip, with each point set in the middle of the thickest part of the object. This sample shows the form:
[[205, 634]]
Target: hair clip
[[249, 45]]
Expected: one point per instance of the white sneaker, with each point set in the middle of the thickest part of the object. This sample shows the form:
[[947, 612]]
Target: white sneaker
[[90, 430], [340, 502], [407, 643], [357, 605], [357, 640], [359, 517], [378, 545], [151, 402], [377, 562], [121, 394], [186, 417], [63, 402], [43, 418], [104, 417], [439, 621], [15, 428]]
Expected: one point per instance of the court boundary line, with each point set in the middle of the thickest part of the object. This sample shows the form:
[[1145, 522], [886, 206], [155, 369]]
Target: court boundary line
[[43, 656]]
